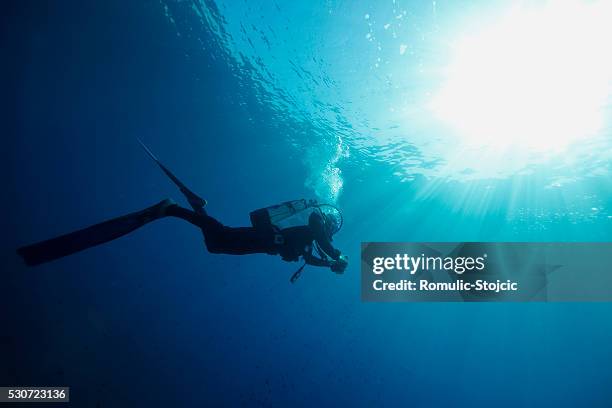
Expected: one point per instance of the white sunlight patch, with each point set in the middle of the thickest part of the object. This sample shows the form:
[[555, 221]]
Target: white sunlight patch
[[536, 80]]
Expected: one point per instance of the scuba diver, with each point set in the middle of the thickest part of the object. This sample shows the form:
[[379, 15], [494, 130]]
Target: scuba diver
[[294, 229]]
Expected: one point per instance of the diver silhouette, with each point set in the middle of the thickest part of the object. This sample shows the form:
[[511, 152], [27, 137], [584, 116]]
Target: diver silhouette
[[294, 229]]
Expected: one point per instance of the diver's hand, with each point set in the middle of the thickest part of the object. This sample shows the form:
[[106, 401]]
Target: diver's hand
[[340, 265]]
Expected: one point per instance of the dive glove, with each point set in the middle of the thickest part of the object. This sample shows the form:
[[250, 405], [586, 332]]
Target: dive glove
[[340, 265]]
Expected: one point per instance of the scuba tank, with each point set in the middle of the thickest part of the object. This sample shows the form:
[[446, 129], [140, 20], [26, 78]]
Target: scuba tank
[[288, 214], [296, 213]]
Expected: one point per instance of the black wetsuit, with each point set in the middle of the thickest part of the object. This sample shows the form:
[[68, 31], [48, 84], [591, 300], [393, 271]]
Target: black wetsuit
[[290, 243]]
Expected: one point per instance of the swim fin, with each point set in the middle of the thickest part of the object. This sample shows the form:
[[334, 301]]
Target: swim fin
[[76, 241], [196, 202]]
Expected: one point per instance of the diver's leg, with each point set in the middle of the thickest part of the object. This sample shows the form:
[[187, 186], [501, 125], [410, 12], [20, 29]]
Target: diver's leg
[[188, 215], [240, 241], [106, 231], [220, 239]]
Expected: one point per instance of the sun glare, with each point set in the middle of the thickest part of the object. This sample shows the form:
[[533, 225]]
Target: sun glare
[[536, 79]]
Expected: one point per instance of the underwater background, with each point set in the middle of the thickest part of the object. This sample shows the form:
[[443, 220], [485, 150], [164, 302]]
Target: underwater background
[[250, 104]]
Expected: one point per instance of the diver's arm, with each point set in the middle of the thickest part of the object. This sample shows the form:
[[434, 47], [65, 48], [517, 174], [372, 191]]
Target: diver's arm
[[336, 266], [318, 228], [310, 259]]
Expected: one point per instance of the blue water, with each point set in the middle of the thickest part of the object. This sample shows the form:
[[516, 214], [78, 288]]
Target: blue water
[[253, 104]]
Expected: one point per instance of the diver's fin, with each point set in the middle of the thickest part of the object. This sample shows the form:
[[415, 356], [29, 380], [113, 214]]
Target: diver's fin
[[196, 202], [97, 234]]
